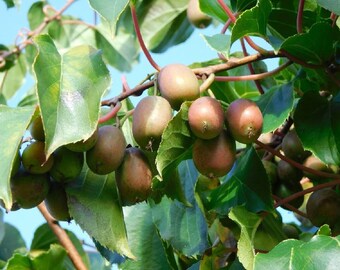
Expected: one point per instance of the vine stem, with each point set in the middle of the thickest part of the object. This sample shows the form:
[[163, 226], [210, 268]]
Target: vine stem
[[63, 238], [306, 191], [252, 76], [250, 67], [296, 164], [289, 206], [140, 38], [110, 114], [299, 17]]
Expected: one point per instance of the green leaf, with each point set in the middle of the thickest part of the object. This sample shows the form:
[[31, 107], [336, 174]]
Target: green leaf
[[307, 47], [324, 230], [109, 10], [98, 262], [49, 260], [2, 226], [248, 222], [144, 240], [110, 256], [330, 5], [176, 143], [219, 42], [94, 204], [252, 22], [213, 9], [9, 3], [247, 184], [12, 79], [321, 252], [183, 227], [18, 262], [276, 105], [36, 14], [243, 4], [12, 240], [69, 87], [13, 124], [44, 237], [120, 51], [317, 125]]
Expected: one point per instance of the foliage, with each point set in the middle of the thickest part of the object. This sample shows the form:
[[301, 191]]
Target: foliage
[[189, 221]]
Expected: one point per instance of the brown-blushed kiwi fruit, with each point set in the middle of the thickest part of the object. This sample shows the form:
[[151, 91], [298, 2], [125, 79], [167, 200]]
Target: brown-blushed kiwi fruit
[[37, 130], [83, 146], [150, 117], [206, 117], [323, 207], [29, 190], [34, 159], [291, 231], [56, 202], [244, 120], [108, 152], [284, 191], [292, 147], [263, 241], [214, 157], [178, 83], [67, 165], [195, 15], [316, 164], [134, 177], [288, 174]]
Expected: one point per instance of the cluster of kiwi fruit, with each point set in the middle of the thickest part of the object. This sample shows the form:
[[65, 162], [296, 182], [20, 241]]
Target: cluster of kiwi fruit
[[322, 206]]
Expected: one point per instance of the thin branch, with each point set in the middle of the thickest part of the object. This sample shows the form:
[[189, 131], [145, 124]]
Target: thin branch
[[296, 164], [299, 17], [253, 76], [111, 114], [306, 191], [140, 38], [289, 206], [63, 238], [250, 67]]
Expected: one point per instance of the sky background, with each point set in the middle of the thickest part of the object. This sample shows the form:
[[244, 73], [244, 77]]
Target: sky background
[[194, 50]]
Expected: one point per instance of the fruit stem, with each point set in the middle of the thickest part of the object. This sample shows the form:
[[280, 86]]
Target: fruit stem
[[140, 38], [206, 83], [296, 164], [115, 109], [63, 238], [299, 17], [250, 67], [253, 76], [306, 191]]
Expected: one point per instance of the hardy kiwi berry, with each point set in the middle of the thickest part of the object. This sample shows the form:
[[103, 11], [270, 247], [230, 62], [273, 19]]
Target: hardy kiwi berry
[[36, 129], [108, 152], [214, 157], [34, 158], [83, 146], [206, 118], [150, 117], [195, 15], [178, 83], [134, 177], [245, 120]]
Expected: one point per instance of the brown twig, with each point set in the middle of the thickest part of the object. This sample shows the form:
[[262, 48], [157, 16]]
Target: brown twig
[[63, 238], [299, 17]]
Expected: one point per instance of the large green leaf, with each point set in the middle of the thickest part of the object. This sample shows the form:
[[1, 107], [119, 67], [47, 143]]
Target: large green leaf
[[44, 237], [11, 241], [35, 15], [252, 22], [12, 79], [144, 240], [94, 204], [307, 46], [213, 9], [176, 143], [109, 10], [331, 5], [120, 51], [13, 123], [276, 105], [18, 262], [246, 184], [183, 227], [321, 252], [69, 88], [219, 42], [248, 222], [317, 123], [49, 260]]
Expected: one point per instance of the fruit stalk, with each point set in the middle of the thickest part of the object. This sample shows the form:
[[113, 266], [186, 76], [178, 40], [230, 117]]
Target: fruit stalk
[[63, 238]]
